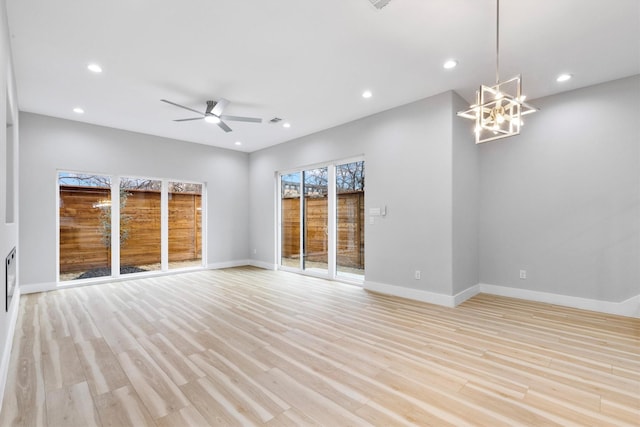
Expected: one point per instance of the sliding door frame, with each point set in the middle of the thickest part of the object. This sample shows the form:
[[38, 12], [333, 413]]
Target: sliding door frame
[[332, 270]]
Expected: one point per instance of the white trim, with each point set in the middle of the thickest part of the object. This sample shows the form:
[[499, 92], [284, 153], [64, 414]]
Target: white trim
[[228, 264], [37, 287], [8, 343], [262, 264], [410, 293], [461, 297], [629, 307]]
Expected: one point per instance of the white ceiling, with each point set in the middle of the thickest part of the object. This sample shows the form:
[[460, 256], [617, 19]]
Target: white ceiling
[[307, 62]]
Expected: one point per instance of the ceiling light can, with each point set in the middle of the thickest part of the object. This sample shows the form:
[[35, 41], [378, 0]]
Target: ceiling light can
[[449, 64], [564, 77], [95, 68]]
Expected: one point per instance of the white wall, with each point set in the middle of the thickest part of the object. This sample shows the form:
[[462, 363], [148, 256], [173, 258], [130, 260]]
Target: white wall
[[8, 230], [49, 144], [408, 166], [562, 200]]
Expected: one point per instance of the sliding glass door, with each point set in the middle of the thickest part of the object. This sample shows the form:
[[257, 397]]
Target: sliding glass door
[[290, 185], [322, 220], [350, 220], [314, 213]]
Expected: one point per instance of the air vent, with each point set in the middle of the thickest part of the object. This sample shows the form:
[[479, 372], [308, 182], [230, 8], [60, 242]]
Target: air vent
[[275, 120], [379, 4]]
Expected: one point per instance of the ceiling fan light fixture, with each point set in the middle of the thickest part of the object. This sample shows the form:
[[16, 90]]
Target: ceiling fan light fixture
[[212, 119], [498, 109]]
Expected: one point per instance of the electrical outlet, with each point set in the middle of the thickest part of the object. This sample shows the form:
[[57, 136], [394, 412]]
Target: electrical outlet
[[417, 275], [255, 251], [523, 274]]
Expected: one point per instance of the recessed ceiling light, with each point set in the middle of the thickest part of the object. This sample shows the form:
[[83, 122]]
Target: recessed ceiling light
[[78, 110], [451, 63], [286, 125], [367, 94], [94, 68], [564, 77], [212, 119], [238, 143]]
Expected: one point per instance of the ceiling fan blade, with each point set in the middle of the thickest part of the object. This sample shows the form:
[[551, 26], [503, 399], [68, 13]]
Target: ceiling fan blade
[[242, 119], [220, 106], [224, 127], [181, 106], [186, 120]]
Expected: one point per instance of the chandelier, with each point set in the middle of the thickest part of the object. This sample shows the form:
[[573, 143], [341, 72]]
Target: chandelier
[[498, 109]]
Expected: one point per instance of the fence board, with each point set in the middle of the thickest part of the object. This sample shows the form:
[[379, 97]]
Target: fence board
[[350, 229], [82, 233]]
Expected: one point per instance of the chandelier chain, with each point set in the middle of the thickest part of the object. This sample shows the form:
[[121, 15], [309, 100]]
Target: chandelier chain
[[497, 41]]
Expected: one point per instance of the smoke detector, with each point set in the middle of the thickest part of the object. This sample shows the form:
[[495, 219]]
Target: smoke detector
[[379, 4]]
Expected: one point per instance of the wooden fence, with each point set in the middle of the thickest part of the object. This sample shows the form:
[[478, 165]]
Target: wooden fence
[[83, 232], [350, 229]]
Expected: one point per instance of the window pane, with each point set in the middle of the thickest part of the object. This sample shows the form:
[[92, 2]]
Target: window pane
[[140, 231], [85, 226], [316, 233], [290, 217], [185, 225], [350, 219]]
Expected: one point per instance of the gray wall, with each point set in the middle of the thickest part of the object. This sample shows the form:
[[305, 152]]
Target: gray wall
[[408, 161], [562, 200], [8, 230], [465, 199], [50, 144]]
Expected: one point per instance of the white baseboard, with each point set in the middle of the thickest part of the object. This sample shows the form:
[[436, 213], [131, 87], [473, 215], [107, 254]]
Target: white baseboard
[[628, 308], [461, 297], [38, 287], [228, 264], [262, 264], [410, 293], [8, 343]]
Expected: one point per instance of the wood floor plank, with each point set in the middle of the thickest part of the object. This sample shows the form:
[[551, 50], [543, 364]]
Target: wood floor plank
[[24, 397], [159, 394], [61, 363], [123, 408], [245, 346], [185, 417], [72, 406], [101, 367]]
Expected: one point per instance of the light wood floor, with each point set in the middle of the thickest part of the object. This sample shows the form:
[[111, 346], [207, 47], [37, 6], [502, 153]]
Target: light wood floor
[[253, 347]]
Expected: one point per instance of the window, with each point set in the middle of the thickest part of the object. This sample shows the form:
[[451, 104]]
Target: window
[[140, 225], [85, 226], [185, 224], [112, 226]]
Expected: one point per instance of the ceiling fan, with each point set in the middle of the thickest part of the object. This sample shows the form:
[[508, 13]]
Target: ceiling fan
[[213, 114]]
